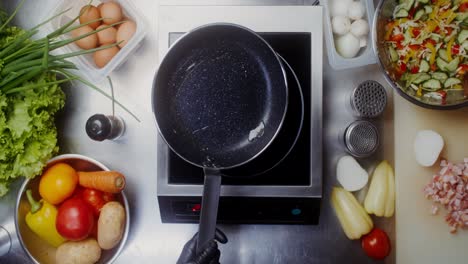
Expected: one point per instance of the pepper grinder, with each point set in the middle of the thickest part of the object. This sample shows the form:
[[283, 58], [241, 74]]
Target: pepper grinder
[[100, 127]]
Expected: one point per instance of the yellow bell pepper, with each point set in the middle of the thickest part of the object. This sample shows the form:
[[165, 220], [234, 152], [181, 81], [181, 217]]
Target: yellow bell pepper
[[353, 218], [41, 220], [433, 52], [380, 199], [449, 49]]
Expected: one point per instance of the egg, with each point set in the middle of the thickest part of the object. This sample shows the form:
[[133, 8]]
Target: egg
[[88, 42], [106, 36], [126, 32], [90, 13], [111, 12], [102, 57]]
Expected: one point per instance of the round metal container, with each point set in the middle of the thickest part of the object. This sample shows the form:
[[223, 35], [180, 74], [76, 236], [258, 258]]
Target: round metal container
[[383, 13], [361, 138], [40, 251]]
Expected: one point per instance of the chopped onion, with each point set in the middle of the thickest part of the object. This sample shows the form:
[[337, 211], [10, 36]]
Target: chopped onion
[[350, 174], [427, 147]]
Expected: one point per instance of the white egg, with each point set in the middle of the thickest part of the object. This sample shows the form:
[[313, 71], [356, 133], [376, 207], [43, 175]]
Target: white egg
[[356, 10], [360, 28], [347, 45], [341, 25], [339, 7]]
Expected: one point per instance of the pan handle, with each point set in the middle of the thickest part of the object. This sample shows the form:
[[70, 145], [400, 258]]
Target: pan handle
[[209, 211]]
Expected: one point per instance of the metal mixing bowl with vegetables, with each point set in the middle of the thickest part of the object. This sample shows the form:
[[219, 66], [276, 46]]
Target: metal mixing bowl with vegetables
[[422, 45]]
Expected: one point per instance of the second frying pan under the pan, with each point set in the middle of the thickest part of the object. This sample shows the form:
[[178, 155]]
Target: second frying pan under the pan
[[220, 97]]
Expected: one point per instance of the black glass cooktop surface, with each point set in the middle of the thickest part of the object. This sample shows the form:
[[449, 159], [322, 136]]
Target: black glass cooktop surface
[[294, 169]]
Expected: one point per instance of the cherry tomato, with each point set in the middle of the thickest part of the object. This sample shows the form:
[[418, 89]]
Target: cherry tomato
[[403, 67], [376, 244], [96, 199], [463, 7], [456, 49], [397, 38], [75, 219], [415, 47]]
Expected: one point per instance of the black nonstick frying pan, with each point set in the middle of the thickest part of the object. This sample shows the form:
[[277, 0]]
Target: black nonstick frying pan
[[219, 97]]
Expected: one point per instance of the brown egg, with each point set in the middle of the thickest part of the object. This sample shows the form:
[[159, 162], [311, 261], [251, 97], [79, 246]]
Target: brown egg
[[90, 13], [106, 36], [102, 57], [126, 32], [111, 12], [88, 42]]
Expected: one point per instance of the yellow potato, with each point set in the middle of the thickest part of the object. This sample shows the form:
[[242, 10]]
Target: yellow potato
[[80, 252], [111, 225]]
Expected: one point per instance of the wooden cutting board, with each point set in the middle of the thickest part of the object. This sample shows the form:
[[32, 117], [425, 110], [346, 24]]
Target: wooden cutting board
[[421, 237]]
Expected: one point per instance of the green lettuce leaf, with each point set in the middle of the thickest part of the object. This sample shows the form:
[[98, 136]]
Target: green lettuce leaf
[[28, 135]]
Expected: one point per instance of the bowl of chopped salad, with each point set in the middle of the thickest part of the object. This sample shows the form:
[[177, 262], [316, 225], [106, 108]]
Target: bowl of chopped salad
[[422, 46]]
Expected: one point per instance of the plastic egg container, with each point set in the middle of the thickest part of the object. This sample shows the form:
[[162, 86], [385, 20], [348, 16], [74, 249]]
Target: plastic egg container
[[85, 63], [365, 55]]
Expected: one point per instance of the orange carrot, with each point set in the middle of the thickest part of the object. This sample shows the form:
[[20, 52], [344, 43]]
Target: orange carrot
[[106, 181]]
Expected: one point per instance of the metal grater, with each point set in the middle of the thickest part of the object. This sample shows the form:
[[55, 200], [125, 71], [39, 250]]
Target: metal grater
[[361, 138], [369, 99]]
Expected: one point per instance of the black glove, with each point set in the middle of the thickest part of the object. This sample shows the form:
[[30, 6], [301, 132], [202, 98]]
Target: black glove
[[209, 254]]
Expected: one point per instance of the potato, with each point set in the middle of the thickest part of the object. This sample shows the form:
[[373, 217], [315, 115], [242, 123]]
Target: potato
[[111, 225], [80, 252]]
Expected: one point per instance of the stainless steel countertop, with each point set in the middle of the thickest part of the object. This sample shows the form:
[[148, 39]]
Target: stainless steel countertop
[[150, 241]]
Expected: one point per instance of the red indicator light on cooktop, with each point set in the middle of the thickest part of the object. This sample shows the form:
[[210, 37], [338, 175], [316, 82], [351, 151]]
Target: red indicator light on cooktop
[[196, 208]]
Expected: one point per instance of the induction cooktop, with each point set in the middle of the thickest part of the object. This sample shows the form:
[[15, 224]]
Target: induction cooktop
[[282, 186]]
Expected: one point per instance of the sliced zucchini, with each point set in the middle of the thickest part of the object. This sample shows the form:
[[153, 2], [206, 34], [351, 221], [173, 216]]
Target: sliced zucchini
[[443, 54], [451, 81], [406, 4], [441, 76], [401, 13], [424, 66], [432, 85], [441, 64], [428, 9], [419, 14], [393, 54], [421, 77], [461, 16], [463, 36], [465, 44], [453, 65]]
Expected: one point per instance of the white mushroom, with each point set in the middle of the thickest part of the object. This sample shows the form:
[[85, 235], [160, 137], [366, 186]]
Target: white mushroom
[[356, 10], [347, 45], [339, 7], [359, 28], [341, 25]]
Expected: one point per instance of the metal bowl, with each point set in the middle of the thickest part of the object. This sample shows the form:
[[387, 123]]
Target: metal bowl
[[383, 13], [35, 247]]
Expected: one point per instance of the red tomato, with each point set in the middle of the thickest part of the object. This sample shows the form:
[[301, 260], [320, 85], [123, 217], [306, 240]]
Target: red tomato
[[376, 244], [456, 49], [416, 32], [433, 67], [75, 219], [403, 67], [463, 7], [415, 69], [397, 38], [433, 42], [449, 31], [96, 199], [415, 47]]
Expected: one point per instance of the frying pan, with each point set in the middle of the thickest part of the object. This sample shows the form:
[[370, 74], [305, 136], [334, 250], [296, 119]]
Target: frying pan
[[219, 97]]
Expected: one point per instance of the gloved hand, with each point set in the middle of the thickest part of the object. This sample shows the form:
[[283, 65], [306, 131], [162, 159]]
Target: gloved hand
[[209, 254]]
